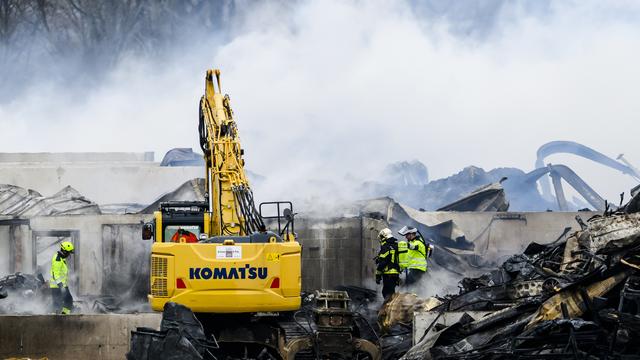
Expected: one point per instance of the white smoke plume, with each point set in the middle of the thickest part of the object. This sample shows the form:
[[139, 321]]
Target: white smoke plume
[[328, 90]]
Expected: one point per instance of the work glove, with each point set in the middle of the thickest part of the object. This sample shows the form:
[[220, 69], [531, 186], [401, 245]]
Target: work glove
[[378, 279], [61, 286]]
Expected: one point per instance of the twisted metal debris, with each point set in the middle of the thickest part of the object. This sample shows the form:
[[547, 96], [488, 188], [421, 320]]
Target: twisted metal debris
[[577, 298]]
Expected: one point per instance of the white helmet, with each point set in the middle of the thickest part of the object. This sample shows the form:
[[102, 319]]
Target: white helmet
[[385, 234], [407, 230]]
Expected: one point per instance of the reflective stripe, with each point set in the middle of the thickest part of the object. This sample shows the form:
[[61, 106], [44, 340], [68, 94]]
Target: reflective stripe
[[403, 256], [59, 271], [388, 272], [394, 268]]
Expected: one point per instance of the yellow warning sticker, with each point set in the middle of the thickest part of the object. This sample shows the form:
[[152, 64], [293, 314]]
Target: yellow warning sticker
[[273, 257]]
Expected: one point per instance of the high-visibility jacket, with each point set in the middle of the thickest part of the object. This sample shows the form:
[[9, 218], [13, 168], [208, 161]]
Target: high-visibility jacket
[[387, 259], [59, 271], [403, 254], [417, 254]]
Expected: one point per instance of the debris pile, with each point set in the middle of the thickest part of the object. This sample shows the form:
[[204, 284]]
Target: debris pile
[[400, 307], [19, 292], [326, 327], [572, 298], [395, 322], [181, 336], [490, 197]]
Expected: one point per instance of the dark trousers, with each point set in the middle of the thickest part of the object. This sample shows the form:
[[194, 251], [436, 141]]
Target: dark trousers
[[61, 298], [389, 283], [413, 276]]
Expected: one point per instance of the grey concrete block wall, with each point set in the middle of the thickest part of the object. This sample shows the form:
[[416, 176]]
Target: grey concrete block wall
[[15, 245], [335, 251], [74, 157], [371, 245], [497, 235], [5, 248], [331, 252], [97, 237], [71, 337]]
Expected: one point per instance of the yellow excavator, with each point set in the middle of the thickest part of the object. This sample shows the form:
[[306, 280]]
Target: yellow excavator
[[223, 260], [218, 258]]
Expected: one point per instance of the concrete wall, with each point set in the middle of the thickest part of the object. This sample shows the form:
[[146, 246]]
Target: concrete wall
[[91, 254], [100, 240], [341, 251], [497, 235], [70, 157], [335, 251], [109, 246], [71, 337], [103, 182], [5, 248], [331, 252]]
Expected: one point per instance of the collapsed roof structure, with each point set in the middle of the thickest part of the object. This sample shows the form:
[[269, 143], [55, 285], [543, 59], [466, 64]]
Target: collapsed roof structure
[[490, 197], [18, 201], [520, 188]]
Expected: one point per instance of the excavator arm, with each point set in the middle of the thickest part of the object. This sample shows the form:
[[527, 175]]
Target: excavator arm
[[232, 209]]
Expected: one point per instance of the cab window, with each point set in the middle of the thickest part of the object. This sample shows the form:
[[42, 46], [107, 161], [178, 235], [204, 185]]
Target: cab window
[[181, 233]]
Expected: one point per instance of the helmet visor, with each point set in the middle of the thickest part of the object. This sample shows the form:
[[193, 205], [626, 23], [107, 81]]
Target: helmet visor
[[407, 230]]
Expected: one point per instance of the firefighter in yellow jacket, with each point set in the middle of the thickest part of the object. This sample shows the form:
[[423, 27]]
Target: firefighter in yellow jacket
[[416, 254], [62, 299], [387, 263]]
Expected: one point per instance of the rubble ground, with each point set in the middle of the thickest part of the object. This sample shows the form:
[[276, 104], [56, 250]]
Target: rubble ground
[[578, 297]]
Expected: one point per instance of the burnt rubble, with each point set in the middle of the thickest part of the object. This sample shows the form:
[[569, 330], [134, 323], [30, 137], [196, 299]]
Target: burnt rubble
[[21, 293], [577, 297], [181, 336], [490, 197], [328, 326]]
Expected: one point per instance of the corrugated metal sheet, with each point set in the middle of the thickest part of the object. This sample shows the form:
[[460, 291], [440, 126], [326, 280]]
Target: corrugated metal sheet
[[18, 201]]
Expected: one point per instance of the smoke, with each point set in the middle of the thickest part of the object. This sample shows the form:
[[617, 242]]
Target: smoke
[[437, 281], [331, 91]]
